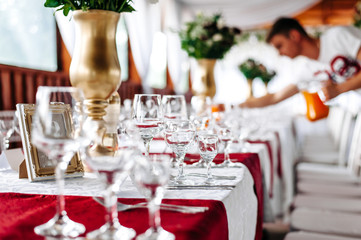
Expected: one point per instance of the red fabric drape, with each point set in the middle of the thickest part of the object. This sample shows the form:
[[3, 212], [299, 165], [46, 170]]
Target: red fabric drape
[[20, 213]]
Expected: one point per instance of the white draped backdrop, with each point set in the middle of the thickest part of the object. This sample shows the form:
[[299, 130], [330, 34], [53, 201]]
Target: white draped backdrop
[[168, 16]]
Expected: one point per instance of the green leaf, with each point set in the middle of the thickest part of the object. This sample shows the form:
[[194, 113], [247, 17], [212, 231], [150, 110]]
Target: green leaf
[[53, 3]]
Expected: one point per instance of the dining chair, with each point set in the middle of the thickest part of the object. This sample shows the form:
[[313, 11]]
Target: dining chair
[[335, 180], [336, 223], [328, 148], [316, 172], [302, 235]]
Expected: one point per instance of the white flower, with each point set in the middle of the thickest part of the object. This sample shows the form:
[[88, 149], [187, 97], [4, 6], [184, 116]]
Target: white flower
[[220, 23], [217, 37], [209, 43]]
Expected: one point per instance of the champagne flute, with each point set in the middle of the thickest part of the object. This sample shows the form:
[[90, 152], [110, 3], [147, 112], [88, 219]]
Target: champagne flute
[[178, 135], [208, 148], [151, 175], [148, 116], [57, 130], [113, 170]]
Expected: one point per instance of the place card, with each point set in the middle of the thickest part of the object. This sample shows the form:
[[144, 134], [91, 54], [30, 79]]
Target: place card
[[14, 159]]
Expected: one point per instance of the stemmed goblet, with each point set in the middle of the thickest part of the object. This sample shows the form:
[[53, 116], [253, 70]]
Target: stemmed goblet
[[151, 175], [174, 107], [178, 135], [208, 149], [148, 116], [57, 130], [225, 135], [113, 170]]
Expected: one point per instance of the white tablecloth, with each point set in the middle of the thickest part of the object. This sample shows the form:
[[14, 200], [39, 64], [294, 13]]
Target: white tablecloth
[[240, 203]]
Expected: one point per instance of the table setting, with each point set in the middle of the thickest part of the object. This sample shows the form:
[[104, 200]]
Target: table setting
[[134, 180]]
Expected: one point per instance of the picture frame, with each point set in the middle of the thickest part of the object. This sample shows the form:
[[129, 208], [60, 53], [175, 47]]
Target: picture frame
[[38, 166]]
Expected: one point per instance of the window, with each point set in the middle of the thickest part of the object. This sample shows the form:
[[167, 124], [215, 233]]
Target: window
[[28, 35]]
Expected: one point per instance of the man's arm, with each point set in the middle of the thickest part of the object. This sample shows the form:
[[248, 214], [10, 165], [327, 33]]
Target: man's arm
[[332, 90], [271, 98]]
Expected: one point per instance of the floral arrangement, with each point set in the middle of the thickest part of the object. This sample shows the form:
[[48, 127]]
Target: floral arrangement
[[252, 69], [208, 37], [357, 15], [110, 5]]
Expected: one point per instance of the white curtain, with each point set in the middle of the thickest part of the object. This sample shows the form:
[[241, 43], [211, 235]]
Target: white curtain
[[170, 15], [243, 14]]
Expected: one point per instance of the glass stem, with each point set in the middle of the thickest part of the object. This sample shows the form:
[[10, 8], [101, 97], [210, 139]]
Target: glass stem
[[226, 153], [147, 146], [209, 173], [61, 166], [180, 159], [154, 215], [110, 199]]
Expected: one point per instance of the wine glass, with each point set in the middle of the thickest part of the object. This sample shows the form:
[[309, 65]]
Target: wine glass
[[208, 149], [9, 125], [151, 175], [113, 170], [147, 114], [57, 130], [178, 135], [225, 135], [174, 107]]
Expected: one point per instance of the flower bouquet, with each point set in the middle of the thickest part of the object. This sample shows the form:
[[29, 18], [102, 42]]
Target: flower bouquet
[[110, 5], [208, 37], [252, 69]]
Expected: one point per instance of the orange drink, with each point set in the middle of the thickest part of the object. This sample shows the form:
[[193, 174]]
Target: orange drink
[[316, 109]]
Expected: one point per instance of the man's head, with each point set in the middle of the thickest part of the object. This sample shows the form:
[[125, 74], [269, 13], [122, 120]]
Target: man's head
[[286, 36]]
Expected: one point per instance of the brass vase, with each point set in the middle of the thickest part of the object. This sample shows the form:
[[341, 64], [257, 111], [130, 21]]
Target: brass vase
[[250, 88], [95, 66], [203, 84]]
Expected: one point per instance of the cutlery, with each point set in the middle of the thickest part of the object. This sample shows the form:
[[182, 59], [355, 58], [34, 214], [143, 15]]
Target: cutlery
[[201, 187], [163, 206], [218, 177]]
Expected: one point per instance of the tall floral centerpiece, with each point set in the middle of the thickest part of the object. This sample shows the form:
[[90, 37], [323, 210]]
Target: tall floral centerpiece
[[252, 69], [207, 39], [95, 66]]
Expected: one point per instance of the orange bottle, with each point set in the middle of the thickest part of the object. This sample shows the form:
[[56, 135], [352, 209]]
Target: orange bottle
[[316, 109]]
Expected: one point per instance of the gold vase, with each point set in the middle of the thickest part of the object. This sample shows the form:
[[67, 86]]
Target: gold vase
[[95, 66], [250, 88], [203, 84]]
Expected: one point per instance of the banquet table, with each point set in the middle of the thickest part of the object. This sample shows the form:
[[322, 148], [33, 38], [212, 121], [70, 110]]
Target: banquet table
[[233, 213]]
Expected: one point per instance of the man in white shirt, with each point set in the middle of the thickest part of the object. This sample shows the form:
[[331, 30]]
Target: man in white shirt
[[290, 39]]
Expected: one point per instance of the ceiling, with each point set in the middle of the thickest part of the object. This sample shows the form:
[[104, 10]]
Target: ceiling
[[329, 12]]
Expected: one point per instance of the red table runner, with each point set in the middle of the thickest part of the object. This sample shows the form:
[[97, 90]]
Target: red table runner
[[20, 213], [252, 162]]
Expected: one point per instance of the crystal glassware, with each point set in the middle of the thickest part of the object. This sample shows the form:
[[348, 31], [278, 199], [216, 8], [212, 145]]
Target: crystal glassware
[[148, 116], [174, 107], [151, 175], [225, 136], [57, 130], [208, 149], [178, 135], [9, 125], [113, 169]]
